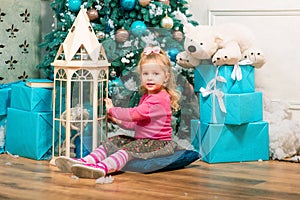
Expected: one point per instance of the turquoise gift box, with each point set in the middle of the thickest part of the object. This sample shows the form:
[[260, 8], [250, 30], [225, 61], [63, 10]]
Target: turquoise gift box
[[4, 100], [28, 134], [31, 98], [203, 74], [240, 108], [5, 96], [2, 132], [232, 143], [195, 134]]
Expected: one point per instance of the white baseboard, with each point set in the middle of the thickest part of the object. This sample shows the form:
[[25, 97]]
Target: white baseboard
[[294, 105]]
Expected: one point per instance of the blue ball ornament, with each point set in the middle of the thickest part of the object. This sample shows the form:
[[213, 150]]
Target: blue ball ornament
[[127, 4], [173, 53], [114, 86], [74, 5], [138, 28]]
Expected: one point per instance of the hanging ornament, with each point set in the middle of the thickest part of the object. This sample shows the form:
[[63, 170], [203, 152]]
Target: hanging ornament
[[138, 28], [100, 35], [122, 35], [74, 5], [178, 35], [173, 53], [167, 2], [113, 73], [93, 14], [115, 86], [167, 22], [144, 3], [127, 4]]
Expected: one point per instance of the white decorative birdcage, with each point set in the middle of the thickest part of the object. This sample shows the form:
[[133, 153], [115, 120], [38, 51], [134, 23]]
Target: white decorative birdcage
[[80, 86]]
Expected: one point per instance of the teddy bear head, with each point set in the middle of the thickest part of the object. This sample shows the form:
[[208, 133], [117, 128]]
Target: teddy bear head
[[256, 56], [185, 60], [229, 55], [222, 58], [200, 42]]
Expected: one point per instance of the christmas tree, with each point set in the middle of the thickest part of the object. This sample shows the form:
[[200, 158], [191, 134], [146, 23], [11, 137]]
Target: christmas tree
[[124, 27]]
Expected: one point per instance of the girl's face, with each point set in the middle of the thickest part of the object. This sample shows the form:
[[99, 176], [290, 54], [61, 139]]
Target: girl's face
[[153, 77]]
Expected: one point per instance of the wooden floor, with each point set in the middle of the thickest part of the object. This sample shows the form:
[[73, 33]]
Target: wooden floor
[[22, 178]]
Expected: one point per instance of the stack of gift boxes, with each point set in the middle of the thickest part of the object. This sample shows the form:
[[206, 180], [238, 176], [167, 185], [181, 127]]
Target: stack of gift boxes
[[5, 93], [230, 127], [29, 121]]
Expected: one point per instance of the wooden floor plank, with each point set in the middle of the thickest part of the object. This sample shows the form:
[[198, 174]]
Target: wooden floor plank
[[22, 178]]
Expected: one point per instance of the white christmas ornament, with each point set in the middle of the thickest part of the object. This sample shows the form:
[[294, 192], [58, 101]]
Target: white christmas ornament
[[167, 22]]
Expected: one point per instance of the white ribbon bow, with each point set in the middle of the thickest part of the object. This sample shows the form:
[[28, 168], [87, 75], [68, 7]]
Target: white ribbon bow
[[149, 50], [245, 62], [211, 89], [237, 72], [211, 85], [218, 94]]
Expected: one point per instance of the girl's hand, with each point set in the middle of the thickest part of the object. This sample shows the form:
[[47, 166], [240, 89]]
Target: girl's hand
[[108, 104], [113, 120]]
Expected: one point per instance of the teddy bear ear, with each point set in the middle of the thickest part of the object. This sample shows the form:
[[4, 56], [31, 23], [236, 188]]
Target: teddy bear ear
[[218, 39], [187, 28]]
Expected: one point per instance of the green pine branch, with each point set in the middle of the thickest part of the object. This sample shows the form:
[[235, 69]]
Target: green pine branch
[[112, 13]]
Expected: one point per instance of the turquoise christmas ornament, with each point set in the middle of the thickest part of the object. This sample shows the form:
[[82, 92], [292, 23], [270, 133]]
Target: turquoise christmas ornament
[[138, 28], [74, 5], [127, 4], [114, 86], [173, 53]]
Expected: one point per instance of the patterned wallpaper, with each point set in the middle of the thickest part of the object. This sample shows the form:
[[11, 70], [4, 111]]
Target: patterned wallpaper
[[19, 39]]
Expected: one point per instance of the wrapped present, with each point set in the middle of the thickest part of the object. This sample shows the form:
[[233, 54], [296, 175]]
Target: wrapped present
[[5, 96], [4, 100], [234, 143], [3, 120], [29, 134], [31, 98], [231, 108], [195, 134], [2, 132], [237, 79]]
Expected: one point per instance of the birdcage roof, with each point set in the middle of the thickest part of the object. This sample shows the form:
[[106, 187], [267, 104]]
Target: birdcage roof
[[81, 39]]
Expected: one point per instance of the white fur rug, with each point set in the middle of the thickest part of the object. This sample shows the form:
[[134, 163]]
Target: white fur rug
[[284, 132]]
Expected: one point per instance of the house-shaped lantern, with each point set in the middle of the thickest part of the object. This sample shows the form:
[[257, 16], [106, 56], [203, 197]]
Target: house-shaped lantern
[[80, 86]]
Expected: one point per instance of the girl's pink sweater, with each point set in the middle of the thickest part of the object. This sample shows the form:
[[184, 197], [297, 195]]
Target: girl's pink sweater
[[150, 119]]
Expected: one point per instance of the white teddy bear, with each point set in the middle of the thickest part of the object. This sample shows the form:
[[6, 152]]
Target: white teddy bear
[[224, 43], [256, 56], [203, 41], [185, 60], [229, 55]]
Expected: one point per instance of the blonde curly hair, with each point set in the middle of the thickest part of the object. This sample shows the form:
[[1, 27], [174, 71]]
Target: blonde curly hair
[[162, 58]]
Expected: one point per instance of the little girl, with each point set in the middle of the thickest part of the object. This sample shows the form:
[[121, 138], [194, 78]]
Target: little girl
[[151, 121]]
